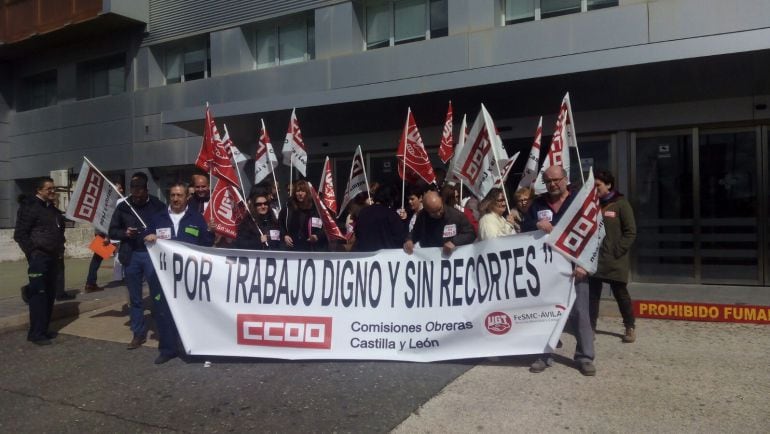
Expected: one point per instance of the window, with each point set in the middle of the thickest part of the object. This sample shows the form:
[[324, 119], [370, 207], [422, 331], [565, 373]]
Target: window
[[393, 22], [102, 77], [517, 11], [187, 61], [285, 41], [38, 91]]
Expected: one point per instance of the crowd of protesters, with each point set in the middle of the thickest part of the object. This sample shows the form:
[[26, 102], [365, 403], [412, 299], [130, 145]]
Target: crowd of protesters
[[433, 216]]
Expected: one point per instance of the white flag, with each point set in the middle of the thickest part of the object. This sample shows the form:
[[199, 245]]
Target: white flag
[[533, 161], [294, 150], [480, 162], [357, 182], [94, 199], [506, 170], [450, 175], [579, 233], [563, 139], [265, 160]]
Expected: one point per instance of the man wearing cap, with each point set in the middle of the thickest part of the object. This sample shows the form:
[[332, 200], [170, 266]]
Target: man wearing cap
[[127, 227]]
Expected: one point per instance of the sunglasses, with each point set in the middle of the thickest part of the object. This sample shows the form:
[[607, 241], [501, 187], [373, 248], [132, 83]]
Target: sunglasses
[[260, 203]]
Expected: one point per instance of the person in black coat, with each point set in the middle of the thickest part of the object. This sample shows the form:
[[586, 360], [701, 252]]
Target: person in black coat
[[40, 234], [378, 226], [301, 226], [260, 230]]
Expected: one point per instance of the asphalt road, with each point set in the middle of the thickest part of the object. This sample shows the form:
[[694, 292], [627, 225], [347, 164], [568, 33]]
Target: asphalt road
[[87, 385]]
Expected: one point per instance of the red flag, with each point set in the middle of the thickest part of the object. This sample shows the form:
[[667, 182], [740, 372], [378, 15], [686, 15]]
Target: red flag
[[446, 148], [330, 227], [215, 153], [327, 187], [206, 153], [226, 208], [413, 161]]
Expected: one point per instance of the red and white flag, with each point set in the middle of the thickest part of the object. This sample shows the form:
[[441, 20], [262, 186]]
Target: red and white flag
[[214, 156], [479, 164], [226, 209], [326, 187], [506, 170], [94, 199], [294, 150], [446, 148], [461, 140], [579, 233], [329, 225], [413, 161], [357, 182], [533, 161], [265, 160], [563, 138]]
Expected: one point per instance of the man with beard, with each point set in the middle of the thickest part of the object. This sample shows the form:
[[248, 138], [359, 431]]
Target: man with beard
[[543, 214]]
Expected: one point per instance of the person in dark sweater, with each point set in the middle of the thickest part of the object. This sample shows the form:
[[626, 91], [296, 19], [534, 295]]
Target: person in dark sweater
[[260, 230], [127, 227], [378, 226], [438, 225], [40, 234]]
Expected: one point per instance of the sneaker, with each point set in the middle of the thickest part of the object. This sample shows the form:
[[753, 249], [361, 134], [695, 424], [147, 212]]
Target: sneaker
[[41, 342], [630, 335], [163, 358], [136, 342], [64, 297], [538, 367], [587, 368], [92, 287]]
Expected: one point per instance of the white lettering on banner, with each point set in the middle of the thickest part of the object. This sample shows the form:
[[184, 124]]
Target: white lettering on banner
[[382, 305]]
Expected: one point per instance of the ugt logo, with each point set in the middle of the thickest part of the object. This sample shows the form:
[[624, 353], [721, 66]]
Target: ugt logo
[[498, 323], [285, 331]]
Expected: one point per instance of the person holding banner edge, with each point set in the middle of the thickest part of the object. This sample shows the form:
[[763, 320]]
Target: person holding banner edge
[[614, 255], [127, 223], [178, 222], [543, 214]]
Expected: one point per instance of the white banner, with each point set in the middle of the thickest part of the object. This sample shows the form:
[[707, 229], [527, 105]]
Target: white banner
[[94, 199], [509, 295]]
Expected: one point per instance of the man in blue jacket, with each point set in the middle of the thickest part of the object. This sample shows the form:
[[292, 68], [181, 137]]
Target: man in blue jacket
[[179, 223], [128, 222]]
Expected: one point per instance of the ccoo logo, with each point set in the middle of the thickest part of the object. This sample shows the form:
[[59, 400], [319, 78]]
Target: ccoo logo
[[498, 323]]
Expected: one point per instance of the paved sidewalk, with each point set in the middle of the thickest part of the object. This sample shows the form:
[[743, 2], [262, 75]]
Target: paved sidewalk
[[14, 314]]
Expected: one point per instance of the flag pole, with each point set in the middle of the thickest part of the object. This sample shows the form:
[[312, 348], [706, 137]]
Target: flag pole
[[363, 166], [268, 148], [574, 136], [403, 164], [116, 190], [493, 138]]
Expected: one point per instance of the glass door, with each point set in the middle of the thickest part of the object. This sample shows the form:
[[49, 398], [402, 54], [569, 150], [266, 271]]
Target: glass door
[[662, 197], [729, 183]]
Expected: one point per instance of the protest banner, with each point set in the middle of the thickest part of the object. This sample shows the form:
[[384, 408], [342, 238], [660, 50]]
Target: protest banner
[[509, 295]]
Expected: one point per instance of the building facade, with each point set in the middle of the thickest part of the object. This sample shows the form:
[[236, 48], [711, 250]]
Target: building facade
[[671, 95]]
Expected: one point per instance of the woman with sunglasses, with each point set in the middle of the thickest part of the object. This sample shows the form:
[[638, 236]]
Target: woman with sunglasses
[[492, 224], [261, 231]]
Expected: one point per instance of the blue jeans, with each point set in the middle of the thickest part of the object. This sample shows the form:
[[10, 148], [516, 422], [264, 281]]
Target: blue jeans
[[141, 266], [93, 268]]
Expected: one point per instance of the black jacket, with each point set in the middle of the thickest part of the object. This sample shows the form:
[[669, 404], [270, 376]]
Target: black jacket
[[431, 232], [124, 218], [378, 227], [298, 224], [39, 228], [249, 237]]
